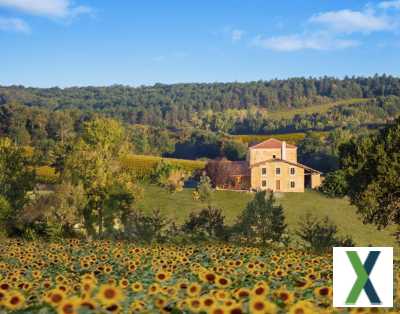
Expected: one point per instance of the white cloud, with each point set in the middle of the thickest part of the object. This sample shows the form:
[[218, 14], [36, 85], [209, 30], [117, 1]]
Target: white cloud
[[301, 42], [237, 35], [14, 24], [348, 21], [159, 58], [50, 8], [390, 4]]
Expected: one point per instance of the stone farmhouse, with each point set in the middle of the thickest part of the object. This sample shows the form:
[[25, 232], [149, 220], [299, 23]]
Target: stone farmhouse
[[270, 165]]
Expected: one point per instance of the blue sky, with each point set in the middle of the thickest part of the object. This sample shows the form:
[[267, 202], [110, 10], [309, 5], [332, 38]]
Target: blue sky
[[85, 42]]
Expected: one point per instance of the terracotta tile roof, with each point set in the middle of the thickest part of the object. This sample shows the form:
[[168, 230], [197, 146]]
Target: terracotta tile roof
[[271, 143], [288, 162]]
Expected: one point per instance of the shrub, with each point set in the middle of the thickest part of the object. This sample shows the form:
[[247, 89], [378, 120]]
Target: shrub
[[335, 184], [146, 228], [54, 214], [208, 223], [5, 213], [204, 190], [262, 219], [320, 235], [169, 176]]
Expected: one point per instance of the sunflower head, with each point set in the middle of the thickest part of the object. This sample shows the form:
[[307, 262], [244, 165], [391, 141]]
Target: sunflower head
[[137, 287], [14, 301], [193, 289], [284, 296], [261, 305], [109, 294]]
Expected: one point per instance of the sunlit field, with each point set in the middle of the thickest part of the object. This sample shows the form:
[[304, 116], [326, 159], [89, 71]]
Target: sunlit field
[[117, 277]]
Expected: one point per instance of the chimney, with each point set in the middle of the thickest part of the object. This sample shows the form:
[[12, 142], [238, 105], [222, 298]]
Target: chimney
[[283, 150]]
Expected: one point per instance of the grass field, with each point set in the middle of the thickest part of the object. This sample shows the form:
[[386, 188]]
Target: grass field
[[177, 206], [290, 113]]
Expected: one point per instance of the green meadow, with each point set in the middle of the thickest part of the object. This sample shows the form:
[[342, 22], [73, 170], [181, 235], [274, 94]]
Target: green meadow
[[177, 206]]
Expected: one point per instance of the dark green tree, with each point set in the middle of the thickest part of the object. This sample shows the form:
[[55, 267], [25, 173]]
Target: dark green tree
[[234, 150], [335, 184], [372, 167], [262, 219], [320, 235], [16, 180]]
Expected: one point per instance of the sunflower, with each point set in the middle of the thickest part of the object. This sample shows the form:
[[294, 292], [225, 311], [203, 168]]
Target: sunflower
[[4, 285], [137, 287], [171, 292], [302, 307], [242, 293], [113, 308], [313, 276], [123, 283], [284, 296], [68, 306], [153, 289], [160, 302], [259, 305], [230, 303], [193, 289], [163, 276], [323, 292], [87, 286], [87, 303], [137, 306], [108, 269], [218, 309], [302, 283], [36, 274], [3, 295], [132, 268], [194, 305], [222, 282], [260, 290], [207, 302], [236, 309], [14, 301], [208, 276], [55, 297], [109, 294], [280, 273]]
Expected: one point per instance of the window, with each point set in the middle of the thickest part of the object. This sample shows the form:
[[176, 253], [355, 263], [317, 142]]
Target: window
[[264, 171], [292, 184], [278, 171], [292, 171], [264, 183]]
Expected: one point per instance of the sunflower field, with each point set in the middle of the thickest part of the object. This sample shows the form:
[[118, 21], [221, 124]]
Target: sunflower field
[[77, 276]]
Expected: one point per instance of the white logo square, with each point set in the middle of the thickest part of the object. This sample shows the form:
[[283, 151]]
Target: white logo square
[[363, 277]]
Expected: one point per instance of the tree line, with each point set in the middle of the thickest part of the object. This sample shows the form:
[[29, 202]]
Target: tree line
[[174, 105]]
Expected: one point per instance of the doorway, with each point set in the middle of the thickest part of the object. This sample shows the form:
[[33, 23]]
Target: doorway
[[307, 180]]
